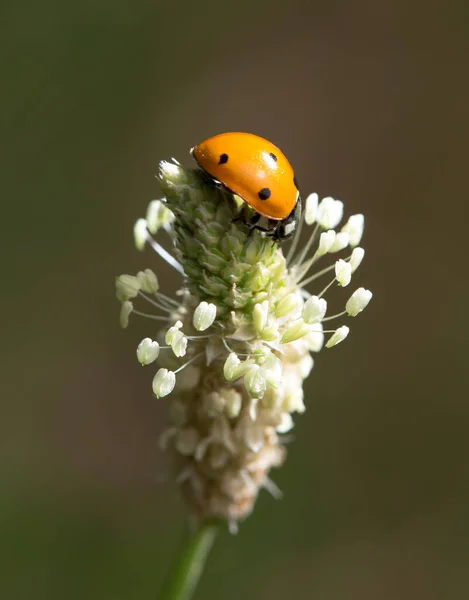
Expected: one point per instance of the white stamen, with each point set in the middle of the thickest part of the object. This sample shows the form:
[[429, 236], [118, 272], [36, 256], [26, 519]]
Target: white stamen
[[179, 344], [338, 336], [156, 304], [356, 258], [273, 371], [358, 301], [312, 238], [329, 213], [273, 488], [354, 227], [316, 275], [286, 305], [189, 362], [204, 316], [311, 207], [176, 339], [165, 255], [148, 316], [127, 286], [343, 272], [234, 368], [158, 216], [171, 331], [341, 241], [314, 310], [148, 281], [126, 308], [295, 332], [140, 234], [163, 383], [326, 241], [147, 351]]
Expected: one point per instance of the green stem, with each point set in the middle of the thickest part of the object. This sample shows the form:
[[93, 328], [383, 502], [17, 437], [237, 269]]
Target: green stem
[[185, 573]]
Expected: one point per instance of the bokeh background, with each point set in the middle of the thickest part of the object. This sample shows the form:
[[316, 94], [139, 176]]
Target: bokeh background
[[369, 100]]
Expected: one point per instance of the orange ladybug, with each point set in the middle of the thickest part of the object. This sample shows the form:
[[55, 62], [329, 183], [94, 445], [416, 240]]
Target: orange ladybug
[[258, 172]]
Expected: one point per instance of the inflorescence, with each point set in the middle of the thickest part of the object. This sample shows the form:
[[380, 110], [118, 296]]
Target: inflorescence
[[235, 344]]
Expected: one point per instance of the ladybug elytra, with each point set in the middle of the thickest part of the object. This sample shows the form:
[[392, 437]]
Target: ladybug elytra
[[260, 174]]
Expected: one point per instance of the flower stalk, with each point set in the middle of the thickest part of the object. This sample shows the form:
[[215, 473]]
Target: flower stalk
[[185, 573]]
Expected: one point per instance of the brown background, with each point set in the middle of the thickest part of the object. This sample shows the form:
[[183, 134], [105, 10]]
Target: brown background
[[369, 100]]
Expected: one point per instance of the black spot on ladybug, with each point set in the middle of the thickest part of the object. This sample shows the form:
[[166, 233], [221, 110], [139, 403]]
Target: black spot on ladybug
[[223, 159], [264, 194], [272, 155], [295, 181]]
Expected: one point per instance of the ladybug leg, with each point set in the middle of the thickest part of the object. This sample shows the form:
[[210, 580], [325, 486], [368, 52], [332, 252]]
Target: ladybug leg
[[270, 230], [249, 223], [268, 227], [250, 219]]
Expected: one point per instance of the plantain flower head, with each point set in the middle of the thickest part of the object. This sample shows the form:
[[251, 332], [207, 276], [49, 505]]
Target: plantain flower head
[[235, 344]]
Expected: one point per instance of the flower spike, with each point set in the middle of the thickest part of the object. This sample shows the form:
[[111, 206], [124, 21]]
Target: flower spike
[[239, 334]]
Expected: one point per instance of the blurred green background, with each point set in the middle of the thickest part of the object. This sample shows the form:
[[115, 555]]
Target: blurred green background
[[370, 102]]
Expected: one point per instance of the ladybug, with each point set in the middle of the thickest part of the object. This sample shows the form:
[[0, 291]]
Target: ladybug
[[260, 174]]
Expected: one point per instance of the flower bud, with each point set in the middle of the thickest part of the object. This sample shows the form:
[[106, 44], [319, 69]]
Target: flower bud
[[229, 368], [295, 331], [269, 334], [174, 174], [255, 381], [286, 305], [260, 315]]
